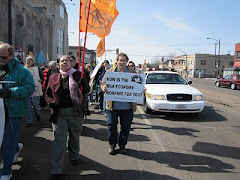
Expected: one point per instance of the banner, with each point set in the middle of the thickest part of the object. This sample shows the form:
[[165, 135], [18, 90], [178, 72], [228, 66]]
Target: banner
[[98, 66], [2, 118], [37, 81], [18, 52], [2, 113], [101, 17], [124, 87], [101, 47]]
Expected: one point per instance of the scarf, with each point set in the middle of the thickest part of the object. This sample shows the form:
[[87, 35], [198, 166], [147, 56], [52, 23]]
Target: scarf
[[75, 92]]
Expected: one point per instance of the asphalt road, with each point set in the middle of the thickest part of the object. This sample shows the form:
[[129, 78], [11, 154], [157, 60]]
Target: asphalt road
[[222, 95], [172, 147], [210, 85]]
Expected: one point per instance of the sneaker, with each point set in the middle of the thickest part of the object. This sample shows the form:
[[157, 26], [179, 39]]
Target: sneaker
[[38, 118], [76, 161], [112, 149], [55, 176], [20, 147], [90, 103], [105, 114], [6, 177], [122, 150], [28, 125]]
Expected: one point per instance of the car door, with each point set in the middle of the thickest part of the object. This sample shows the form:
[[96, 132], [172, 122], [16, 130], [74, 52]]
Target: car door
[[229, 81], [224, 80], [237, 81]]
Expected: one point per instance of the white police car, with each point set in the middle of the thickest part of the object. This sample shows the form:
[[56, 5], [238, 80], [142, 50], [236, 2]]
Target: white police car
[[167, 91]]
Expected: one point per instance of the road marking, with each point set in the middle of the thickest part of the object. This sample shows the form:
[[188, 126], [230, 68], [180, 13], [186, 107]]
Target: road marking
[[149, 124], [167, 171]]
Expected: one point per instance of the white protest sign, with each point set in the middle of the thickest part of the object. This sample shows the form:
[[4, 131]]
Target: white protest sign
[[2, 113], [2, 118], [36, 78], [124, 87]]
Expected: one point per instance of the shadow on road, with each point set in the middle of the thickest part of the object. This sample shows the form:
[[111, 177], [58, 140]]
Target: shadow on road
[[218, 150], [209, 114], [181, 161], [92, 170], [178, 131]]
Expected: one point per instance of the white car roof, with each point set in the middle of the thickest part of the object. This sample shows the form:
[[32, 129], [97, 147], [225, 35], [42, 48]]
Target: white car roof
[[165, 72]]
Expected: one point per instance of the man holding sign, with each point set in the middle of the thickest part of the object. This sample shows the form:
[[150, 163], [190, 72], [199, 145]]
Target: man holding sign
[[120, 101], [17, 86]]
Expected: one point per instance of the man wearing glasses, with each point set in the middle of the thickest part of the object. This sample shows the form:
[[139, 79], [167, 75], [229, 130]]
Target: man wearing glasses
[[15, 97]]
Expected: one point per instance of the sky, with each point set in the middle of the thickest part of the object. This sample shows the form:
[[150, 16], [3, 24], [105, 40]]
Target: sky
[[146, 29]]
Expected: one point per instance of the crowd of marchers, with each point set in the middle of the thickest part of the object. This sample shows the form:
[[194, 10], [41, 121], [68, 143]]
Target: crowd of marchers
[[65, 91]]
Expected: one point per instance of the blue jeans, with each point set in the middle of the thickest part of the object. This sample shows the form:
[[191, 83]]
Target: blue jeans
[[104, 104], [10, 143], [35, 102], [91, 96], [126, 117]]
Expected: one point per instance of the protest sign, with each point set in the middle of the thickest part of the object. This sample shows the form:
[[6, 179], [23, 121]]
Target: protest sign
[[2, 118], [124, 87], [37, 81], [2, 113]]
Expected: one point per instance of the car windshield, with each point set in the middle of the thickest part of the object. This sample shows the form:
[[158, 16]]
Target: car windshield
[[164, 78]]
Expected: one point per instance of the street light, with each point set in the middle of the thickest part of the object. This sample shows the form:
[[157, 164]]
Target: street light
[[185, 54], [217, 64]]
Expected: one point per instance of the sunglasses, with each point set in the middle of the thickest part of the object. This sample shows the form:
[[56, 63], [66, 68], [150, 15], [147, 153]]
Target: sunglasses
[[4, 57], [131, 66]]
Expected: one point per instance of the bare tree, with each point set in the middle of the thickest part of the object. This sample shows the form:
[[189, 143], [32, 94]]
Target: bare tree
[[156, 60]]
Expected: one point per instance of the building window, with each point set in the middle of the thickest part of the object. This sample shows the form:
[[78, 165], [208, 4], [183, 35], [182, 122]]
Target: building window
[[30, 50], [238, 55], [70, 53], [61, 11], [203, 62], [59, 41]]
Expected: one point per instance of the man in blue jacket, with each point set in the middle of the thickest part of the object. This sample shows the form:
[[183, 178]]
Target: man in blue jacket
[[15, 96]]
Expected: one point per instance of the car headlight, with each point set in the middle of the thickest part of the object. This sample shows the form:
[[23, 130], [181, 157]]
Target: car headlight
[[197, 97], [159, 97], [155, 97]]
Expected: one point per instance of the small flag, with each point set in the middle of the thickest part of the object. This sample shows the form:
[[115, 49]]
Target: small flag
[[101, 47]]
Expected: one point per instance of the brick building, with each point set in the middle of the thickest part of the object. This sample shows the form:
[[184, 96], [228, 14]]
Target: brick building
[[237, 55]]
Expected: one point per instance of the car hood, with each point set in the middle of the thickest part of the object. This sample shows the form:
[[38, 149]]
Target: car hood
[[163, 89]]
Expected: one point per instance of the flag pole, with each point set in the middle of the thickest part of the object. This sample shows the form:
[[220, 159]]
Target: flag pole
[[85, 39], [79, 40]]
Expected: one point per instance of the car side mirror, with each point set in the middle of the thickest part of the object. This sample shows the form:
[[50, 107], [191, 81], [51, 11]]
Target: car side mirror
[[189, 82]]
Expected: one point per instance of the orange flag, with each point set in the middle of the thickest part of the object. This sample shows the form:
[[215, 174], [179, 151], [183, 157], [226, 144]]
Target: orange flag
[[101, 17], [101, 47]]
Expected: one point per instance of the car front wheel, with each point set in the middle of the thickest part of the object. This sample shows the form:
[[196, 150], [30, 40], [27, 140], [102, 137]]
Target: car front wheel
[[233, 86], [146, 109], [217, 84]]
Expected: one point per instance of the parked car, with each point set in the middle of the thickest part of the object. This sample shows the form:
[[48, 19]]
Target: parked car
[[232, 81], [167, 91]]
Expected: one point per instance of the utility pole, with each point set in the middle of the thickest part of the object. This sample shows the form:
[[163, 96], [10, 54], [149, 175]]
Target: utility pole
[[185, 54], [218, 63]]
